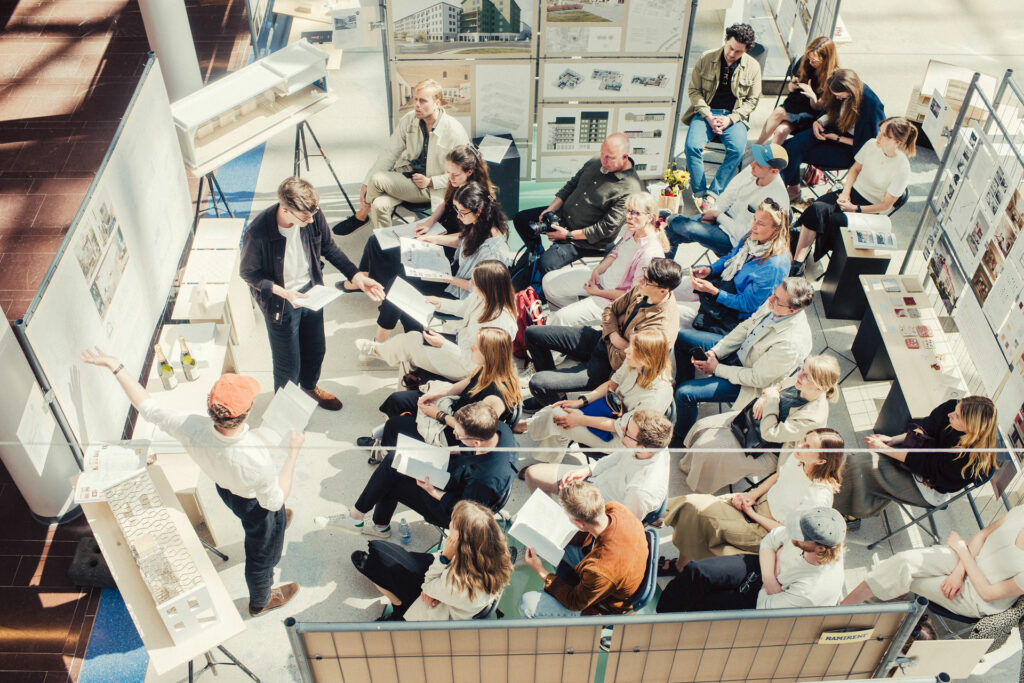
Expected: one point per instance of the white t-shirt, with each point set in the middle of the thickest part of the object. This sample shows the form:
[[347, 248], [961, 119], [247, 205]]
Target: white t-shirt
[[803, 584], [793, 491], [739, 194], [1000, 558], [296, 264], [241, 464], [656, 397], [640, 485], [881, 175]]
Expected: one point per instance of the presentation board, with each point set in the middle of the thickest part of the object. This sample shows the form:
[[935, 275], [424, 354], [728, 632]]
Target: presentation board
[[108, 285], [619, 80], [433, 29], [630, 28]]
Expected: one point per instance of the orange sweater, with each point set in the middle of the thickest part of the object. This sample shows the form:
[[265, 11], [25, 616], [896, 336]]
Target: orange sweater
[[611, 572]]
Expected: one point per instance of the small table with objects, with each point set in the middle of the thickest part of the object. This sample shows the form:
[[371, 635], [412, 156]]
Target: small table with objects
[[841, 294]]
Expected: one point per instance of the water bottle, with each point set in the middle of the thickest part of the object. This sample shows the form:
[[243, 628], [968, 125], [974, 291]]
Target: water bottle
[[403, 532]]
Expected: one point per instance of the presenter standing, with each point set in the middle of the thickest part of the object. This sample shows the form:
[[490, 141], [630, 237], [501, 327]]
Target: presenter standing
[[239, 463], [281, 252]]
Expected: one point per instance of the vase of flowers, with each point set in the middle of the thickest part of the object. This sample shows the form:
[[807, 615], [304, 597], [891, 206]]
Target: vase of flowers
[[675, 182]]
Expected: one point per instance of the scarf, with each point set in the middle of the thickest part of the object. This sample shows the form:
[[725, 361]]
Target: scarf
[[747, 251]]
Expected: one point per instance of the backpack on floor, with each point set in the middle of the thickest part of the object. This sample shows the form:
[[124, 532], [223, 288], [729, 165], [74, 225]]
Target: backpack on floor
[[525, 269], [527, 313]]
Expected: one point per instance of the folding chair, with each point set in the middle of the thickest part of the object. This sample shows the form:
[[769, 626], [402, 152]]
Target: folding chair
[[650, 582], [418, 211]]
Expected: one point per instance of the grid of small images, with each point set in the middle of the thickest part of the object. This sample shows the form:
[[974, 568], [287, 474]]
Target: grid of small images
[[101, 253]]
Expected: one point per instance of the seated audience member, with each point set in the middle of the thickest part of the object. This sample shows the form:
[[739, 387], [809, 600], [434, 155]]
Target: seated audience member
[[799, 565], [913, 468], [779, 418], [721, 228], [483, 474], [492, 379], [484, 238], [851, 116], [599, 576], [463, 165], [410, 168], [724, 89], [806, 89], [733, 524], [877, 179], [648, 305], [598, 418], [590, 208], [635, 475], [973, 579], [761, 351], [719, 296], [468, 573], [491, 303], [643, 240]]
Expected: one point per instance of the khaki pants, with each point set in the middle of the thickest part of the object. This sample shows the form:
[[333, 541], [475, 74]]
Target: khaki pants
[[542, 429], [408, 350], [388, 189]]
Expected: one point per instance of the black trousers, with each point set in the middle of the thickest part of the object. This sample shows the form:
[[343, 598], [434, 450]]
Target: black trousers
[[384, 265], [826, 218], [583, 344], [558, 254], [388, 487], [804, 148], [297, 346], [397, 570], [714, 584], [264, 541]]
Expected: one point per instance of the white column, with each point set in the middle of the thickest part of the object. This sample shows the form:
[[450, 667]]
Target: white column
[[171, 39]]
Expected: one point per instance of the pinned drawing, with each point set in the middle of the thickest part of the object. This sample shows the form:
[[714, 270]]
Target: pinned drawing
[[431, 29]]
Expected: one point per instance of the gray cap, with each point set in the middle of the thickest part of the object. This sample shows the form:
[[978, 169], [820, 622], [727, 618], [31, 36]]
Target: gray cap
[[821, 525]]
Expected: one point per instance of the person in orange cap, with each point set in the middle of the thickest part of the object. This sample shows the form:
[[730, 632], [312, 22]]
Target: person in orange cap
[[240, 464]]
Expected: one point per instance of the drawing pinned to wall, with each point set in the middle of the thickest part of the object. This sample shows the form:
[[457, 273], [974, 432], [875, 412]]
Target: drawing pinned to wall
[[574, 130], [655, 26], [619, 80], [649, 129], [434, 29], [623, 27], [946, 274], [104, 284], [584, 11], [559, 167]]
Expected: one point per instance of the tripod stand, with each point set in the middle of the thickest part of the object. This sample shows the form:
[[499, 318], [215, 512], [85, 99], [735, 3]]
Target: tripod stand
[[215, 190], [302, 154], [210, 664]]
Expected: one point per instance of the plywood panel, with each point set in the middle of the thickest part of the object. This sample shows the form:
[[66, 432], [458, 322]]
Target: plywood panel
[[870, 655], [739, 664], [779, 632], [326, 671], [524, 667], [410, 669], [632, 636], [807, 629], [658, 665], [843, 661], [766, 661], [354, 670], [665, 636], [319, 644], [349, 644], [836, 622], [549, 668], [579, 667], [684, 666], [750, 632], [583, 638], [438, 669], [794, 657], [551, 640], [493, 641], [436, 642], [723, 633], [407, 643], [378, 644], [495, 669], [383, 668], [694, 635], [712, 664], [630, 666], [522, 641], [466, 668], [819, 658], [465, 642]]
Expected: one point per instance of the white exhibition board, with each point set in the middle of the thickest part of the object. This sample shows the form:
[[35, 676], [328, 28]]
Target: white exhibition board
[[633, 80], [110, 281]]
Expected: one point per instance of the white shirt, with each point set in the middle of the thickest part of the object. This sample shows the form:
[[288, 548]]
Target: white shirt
[[803, 584], [1000, 558], [468, 324], [640, 485], [296, 264], [881, 175], [657, 397], [794, 492], [739, 194], [241, 464]]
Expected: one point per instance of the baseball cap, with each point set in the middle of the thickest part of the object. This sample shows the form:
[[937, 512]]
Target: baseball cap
[[234, 392], [770, 155], [821, 525]]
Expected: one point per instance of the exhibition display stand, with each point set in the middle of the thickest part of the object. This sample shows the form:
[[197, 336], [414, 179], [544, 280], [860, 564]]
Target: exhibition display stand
[[841, 295]]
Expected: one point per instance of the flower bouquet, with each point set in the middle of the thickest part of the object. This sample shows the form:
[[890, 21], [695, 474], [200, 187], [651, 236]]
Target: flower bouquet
[[675, 182]]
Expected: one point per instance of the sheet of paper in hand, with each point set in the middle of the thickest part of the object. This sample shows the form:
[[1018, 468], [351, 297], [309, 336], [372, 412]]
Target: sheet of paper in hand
[[542, 524]]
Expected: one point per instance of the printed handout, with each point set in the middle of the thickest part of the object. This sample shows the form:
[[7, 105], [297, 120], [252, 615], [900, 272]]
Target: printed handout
[[542, 524], [290, 409], [424, 260], [388, 238], [422, 461], [105, 465], [317, 297], [408, 299]]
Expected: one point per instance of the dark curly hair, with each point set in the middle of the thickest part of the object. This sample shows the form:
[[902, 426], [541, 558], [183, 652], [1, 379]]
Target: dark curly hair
[[477, 199], [742, 33]]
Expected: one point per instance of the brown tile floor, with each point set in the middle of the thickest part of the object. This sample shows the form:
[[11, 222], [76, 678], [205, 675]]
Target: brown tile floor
[[67, 71]]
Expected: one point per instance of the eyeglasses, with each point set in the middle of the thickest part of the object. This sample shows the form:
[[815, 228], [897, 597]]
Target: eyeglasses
[[635, 213], [772, 203], [774, 300], [463, 212], [629, 436]]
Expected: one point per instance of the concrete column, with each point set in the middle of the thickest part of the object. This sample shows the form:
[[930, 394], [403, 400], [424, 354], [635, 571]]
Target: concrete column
[[171, 39]]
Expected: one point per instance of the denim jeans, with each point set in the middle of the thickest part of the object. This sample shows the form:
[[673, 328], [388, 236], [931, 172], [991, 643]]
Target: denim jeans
[[804, 148], [388, 487], [541, 603], [580, 343], [264, 541], [685, 341], [297, 346], [684, 230], [696, 391], [697, 137]]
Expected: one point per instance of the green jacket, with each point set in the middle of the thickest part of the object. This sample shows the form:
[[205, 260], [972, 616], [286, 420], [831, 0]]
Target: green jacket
[[595, 202], [746, 86]]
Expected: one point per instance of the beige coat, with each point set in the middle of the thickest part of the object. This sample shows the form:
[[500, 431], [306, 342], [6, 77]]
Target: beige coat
[[663, 316], [745, 85], [776, 353], [407, 141], [453, 605]]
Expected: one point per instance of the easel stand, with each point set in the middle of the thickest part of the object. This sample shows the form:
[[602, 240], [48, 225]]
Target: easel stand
[[302, 154], [215, 190], [212, 665]]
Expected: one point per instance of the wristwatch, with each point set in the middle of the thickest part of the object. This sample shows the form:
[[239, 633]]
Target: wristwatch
[[441, 417], [586, 401], [858, 209]]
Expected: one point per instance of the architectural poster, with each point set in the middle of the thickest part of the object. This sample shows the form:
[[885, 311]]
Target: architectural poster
[[613, 27], [434, 29], [638, 81]]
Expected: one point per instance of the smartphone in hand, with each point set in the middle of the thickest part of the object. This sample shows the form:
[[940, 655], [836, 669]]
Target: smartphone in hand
[[698, 353]]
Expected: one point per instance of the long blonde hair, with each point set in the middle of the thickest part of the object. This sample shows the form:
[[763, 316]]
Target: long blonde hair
[[830, 443], [481, 562], [651, 350], [843, 114], [979, 416], [645, 203], [498, 368], [824, 371], [779, 242], [825, 50]]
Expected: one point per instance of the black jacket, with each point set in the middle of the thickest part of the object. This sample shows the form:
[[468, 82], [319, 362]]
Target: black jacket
[[262, 263]]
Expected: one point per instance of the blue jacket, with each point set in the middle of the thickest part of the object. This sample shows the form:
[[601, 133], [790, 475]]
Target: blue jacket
[[872, 113], [754, 282]]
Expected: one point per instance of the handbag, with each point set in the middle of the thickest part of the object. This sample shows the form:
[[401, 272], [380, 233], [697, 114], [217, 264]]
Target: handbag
[[747, 431], [611, 407], [713, 316]]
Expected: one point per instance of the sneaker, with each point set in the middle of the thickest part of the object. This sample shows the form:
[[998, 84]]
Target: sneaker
[[367, 349], [366, 442], [324, 400], [278, 597], [852, 524], [708, 202], [348, 226], [532, 405], [358, 527]]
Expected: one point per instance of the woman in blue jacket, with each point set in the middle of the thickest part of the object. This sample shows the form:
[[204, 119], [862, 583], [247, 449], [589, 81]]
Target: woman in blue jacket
[[734, 286], [852, 113]]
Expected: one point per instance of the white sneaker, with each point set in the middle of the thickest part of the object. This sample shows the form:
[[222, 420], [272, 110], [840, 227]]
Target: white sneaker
[[367, 349], [322, 522], [356, 527]]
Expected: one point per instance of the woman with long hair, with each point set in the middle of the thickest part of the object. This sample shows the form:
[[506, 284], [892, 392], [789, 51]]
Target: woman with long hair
[[780, 417], [933, 459], [578, 298], [719, 296], [598, 418], [491, 303], [851, 115], [878, 178], [466, 575], [733, 524], [484, 235], [803, 103]]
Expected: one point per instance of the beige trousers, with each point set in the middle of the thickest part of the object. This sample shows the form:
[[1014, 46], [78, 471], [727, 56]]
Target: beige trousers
[[542, 429], [408, 350], [388, 189]]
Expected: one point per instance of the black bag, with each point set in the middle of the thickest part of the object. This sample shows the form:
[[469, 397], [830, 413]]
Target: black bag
[[525, 270], [713, 316], [747, 431]]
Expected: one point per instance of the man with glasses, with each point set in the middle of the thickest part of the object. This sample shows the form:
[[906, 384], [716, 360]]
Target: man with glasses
[[760, 351], [649, 304], [281, 252]]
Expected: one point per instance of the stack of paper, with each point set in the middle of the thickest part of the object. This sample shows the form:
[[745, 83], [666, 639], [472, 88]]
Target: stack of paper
[[290, 409], [105, 465], [420, 460], [424, 260], [493, 149], [317, 297], [542, 524], [389, 238], [408, 300]]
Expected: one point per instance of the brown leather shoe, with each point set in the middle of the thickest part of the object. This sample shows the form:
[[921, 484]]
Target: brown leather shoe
[[325, 400], [287, 517], [278, 596]]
